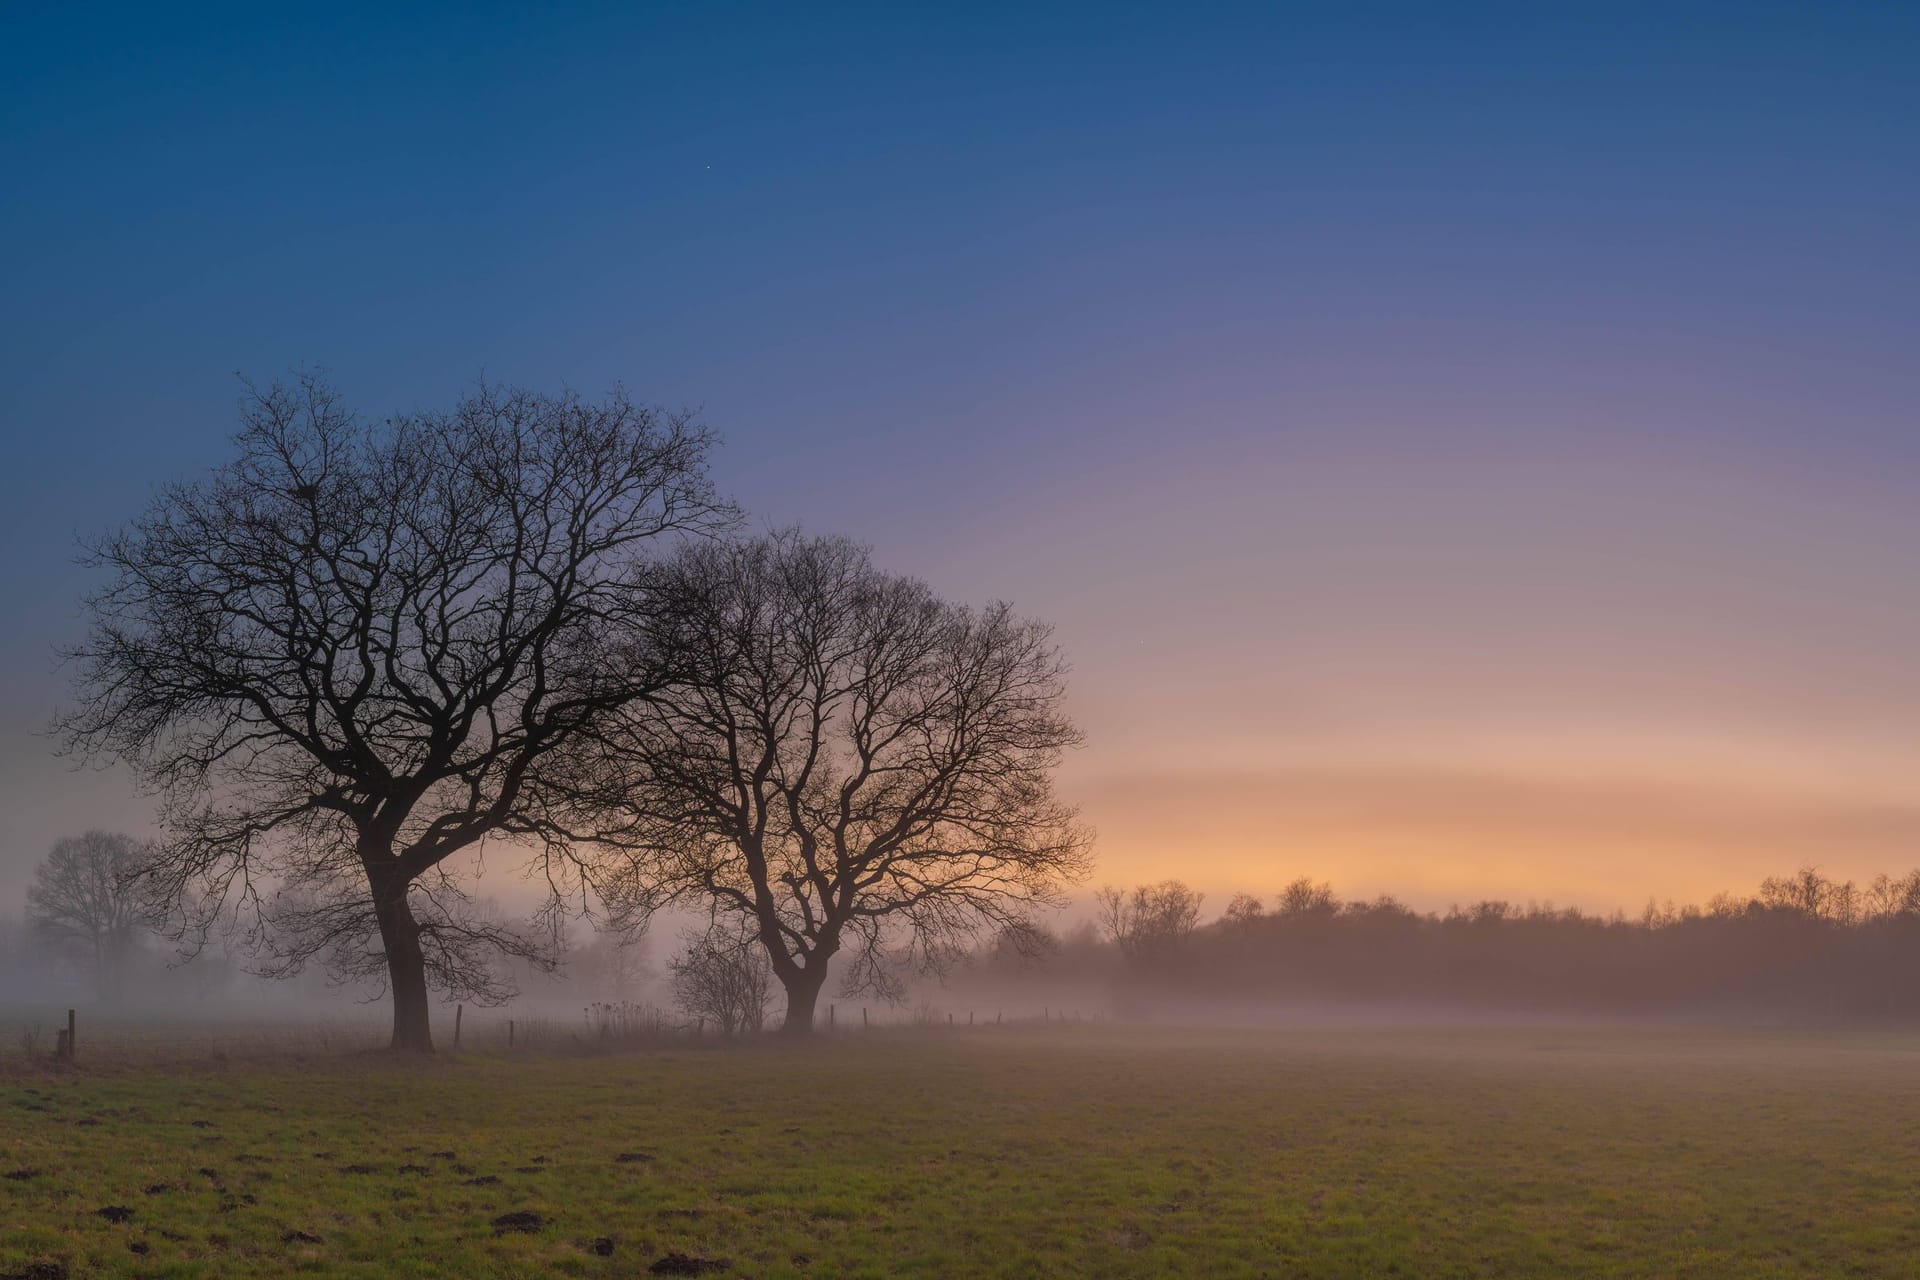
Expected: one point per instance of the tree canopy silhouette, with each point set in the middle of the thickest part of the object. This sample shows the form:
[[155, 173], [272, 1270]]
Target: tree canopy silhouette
[[81, 897], [344, 657], [848, 764]]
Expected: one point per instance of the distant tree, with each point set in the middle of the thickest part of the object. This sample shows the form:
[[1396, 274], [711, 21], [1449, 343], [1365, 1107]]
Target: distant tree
[[1811, 894], [344, 658], [1149, 922], [851, 767], [613, 963], [82, 898], [1888, 896], [1305, 898], [1243, 909], [723, 976]]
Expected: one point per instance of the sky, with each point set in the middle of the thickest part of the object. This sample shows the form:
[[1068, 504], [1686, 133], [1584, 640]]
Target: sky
[[1465, 450]]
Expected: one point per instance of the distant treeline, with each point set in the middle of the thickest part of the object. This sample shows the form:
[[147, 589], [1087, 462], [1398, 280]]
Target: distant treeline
[[1803, 947]]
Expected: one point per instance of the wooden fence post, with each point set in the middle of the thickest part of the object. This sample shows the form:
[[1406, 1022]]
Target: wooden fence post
[[509, 1033], [459, 1011], [863, 1017], [830, 1009]]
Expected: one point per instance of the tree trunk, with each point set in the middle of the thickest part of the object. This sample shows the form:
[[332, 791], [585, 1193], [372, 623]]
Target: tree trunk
[[803, 994], [406, 971]]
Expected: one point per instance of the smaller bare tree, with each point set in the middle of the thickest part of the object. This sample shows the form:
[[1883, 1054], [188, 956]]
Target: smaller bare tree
[[1149, 922], [723, 975], [82, 898], [856, 771]]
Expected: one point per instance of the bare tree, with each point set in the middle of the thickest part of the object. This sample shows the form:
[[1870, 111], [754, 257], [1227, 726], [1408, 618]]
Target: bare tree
[[1303, 897], [1889, 897], [1243, 909], [81, 897], [612, 963], [723, 975], [1150, 921], [343, 658], [851, 766], [1811, 894]]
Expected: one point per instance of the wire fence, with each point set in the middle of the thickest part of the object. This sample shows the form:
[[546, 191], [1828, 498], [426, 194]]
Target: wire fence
[[34, 1038]]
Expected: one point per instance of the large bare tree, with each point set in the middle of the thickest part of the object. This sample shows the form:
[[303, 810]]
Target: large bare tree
[[847, 764], [82, 898], [343, 657]]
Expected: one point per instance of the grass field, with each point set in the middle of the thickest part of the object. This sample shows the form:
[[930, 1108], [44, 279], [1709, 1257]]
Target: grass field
[[1088, 1151]]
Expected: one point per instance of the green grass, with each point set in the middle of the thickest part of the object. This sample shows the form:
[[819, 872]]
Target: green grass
[[1084, 1151]]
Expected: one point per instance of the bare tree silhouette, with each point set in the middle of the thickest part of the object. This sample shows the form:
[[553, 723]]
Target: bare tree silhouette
[[722, 975], [343, 658], [850, 765], [81, 897], [1150, 921]]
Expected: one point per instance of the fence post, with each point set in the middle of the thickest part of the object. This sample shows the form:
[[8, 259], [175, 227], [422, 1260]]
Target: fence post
[[830, 1009], [863, 1017], [969, 1017], [509, 1033], [459, 1011]]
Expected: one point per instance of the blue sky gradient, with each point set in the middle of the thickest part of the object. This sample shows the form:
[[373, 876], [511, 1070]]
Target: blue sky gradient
[[1434, 429]]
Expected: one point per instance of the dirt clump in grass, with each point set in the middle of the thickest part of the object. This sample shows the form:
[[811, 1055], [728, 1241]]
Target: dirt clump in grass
[[39, 1271], [441, 1155], [633, 1157], [685, 1264], [21, 1175], [520, 1220], [603, 1247], [299, 1237], [140, 1247], [484, 1180], [359, 1169], [157, 1189], [529, 1168], [415, 1168], [115, 1213]]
